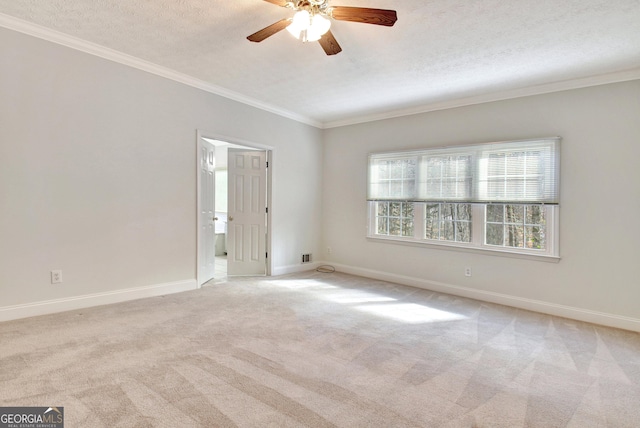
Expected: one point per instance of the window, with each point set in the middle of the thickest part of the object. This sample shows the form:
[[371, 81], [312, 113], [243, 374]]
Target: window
[[394, 218], [395, 178], [448, 222], [496, 196], [516, 226]]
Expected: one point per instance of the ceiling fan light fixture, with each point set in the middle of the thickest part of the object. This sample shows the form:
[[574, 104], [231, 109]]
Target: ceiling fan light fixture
[[307, 27], [312, 21]]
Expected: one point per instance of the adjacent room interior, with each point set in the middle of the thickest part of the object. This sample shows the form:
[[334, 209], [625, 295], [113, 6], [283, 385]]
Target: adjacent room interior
[[377, 301]]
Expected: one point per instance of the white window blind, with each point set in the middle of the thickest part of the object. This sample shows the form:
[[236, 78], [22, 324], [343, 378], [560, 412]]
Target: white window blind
[[507, 172], [392, 177]]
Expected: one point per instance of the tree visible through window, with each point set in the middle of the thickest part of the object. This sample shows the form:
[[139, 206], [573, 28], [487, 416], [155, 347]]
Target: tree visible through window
[[448, 222], [394, 218], [518, 226]]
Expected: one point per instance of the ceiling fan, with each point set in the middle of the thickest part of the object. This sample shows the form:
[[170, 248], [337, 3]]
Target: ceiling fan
[[312, 21]]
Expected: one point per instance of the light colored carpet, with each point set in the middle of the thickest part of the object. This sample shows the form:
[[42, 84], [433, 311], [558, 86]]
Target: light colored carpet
[[320, 350]]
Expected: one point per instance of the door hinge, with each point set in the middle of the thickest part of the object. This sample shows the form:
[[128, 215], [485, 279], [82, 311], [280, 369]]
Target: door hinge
[[267, 210], [267, 164], [266, 255]]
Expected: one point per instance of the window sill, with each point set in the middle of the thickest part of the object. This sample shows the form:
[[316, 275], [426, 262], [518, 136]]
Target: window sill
[[487, 251]]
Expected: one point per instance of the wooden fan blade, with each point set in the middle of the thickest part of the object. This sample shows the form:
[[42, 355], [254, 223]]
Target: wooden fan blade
[[269, 31], [365, 15], [329, 44], [282, 3]]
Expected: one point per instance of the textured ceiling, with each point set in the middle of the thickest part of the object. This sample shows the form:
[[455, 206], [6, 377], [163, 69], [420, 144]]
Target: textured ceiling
[[438, 51]]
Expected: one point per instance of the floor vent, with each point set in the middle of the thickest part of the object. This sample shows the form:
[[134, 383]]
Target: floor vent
[[306, 258]]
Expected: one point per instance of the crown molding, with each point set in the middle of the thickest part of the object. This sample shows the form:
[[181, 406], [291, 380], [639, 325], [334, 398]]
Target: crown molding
[[63, 39], [565, 85]]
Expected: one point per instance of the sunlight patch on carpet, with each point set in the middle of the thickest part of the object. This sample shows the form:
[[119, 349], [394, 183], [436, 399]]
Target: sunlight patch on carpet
[[356, 296], [410, 313], [300, 284]]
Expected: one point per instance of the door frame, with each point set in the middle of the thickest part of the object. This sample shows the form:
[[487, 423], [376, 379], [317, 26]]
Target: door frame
[[242, 143]]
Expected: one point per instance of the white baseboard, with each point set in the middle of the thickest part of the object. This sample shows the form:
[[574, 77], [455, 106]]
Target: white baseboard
[[602, 318], [8, 313], [283, 270]]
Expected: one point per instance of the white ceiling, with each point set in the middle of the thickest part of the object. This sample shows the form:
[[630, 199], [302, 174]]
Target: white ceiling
[[439, 53]]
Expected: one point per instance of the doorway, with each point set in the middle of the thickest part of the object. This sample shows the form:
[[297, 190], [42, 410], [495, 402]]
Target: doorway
[[234, 184]]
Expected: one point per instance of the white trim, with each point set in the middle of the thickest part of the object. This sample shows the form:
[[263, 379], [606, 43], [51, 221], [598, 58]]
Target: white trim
[[284, 270], [580, 314], [454, 246], [198, 215], [269, 245], [233, 141], [63, 39], [14, 312], [564, 85]]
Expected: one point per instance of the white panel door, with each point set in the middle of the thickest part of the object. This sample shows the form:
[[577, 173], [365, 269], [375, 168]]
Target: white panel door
[[206, 223], [246, 221]]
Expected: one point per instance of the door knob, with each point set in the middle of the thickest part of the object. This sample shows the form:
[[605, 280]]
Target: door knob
[[230, 218], [215, 219]]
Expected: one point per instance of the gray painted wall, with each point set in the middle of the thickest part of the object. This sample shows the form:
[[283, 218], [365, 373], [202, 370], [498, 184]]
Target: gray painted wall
[[98, 173], [600, 197]]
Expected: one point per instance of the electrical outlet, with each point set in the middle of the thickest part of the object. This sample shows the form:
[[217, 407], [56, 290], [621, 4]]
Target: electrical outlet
[[328, 250], [56, 276], [467, 271]]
